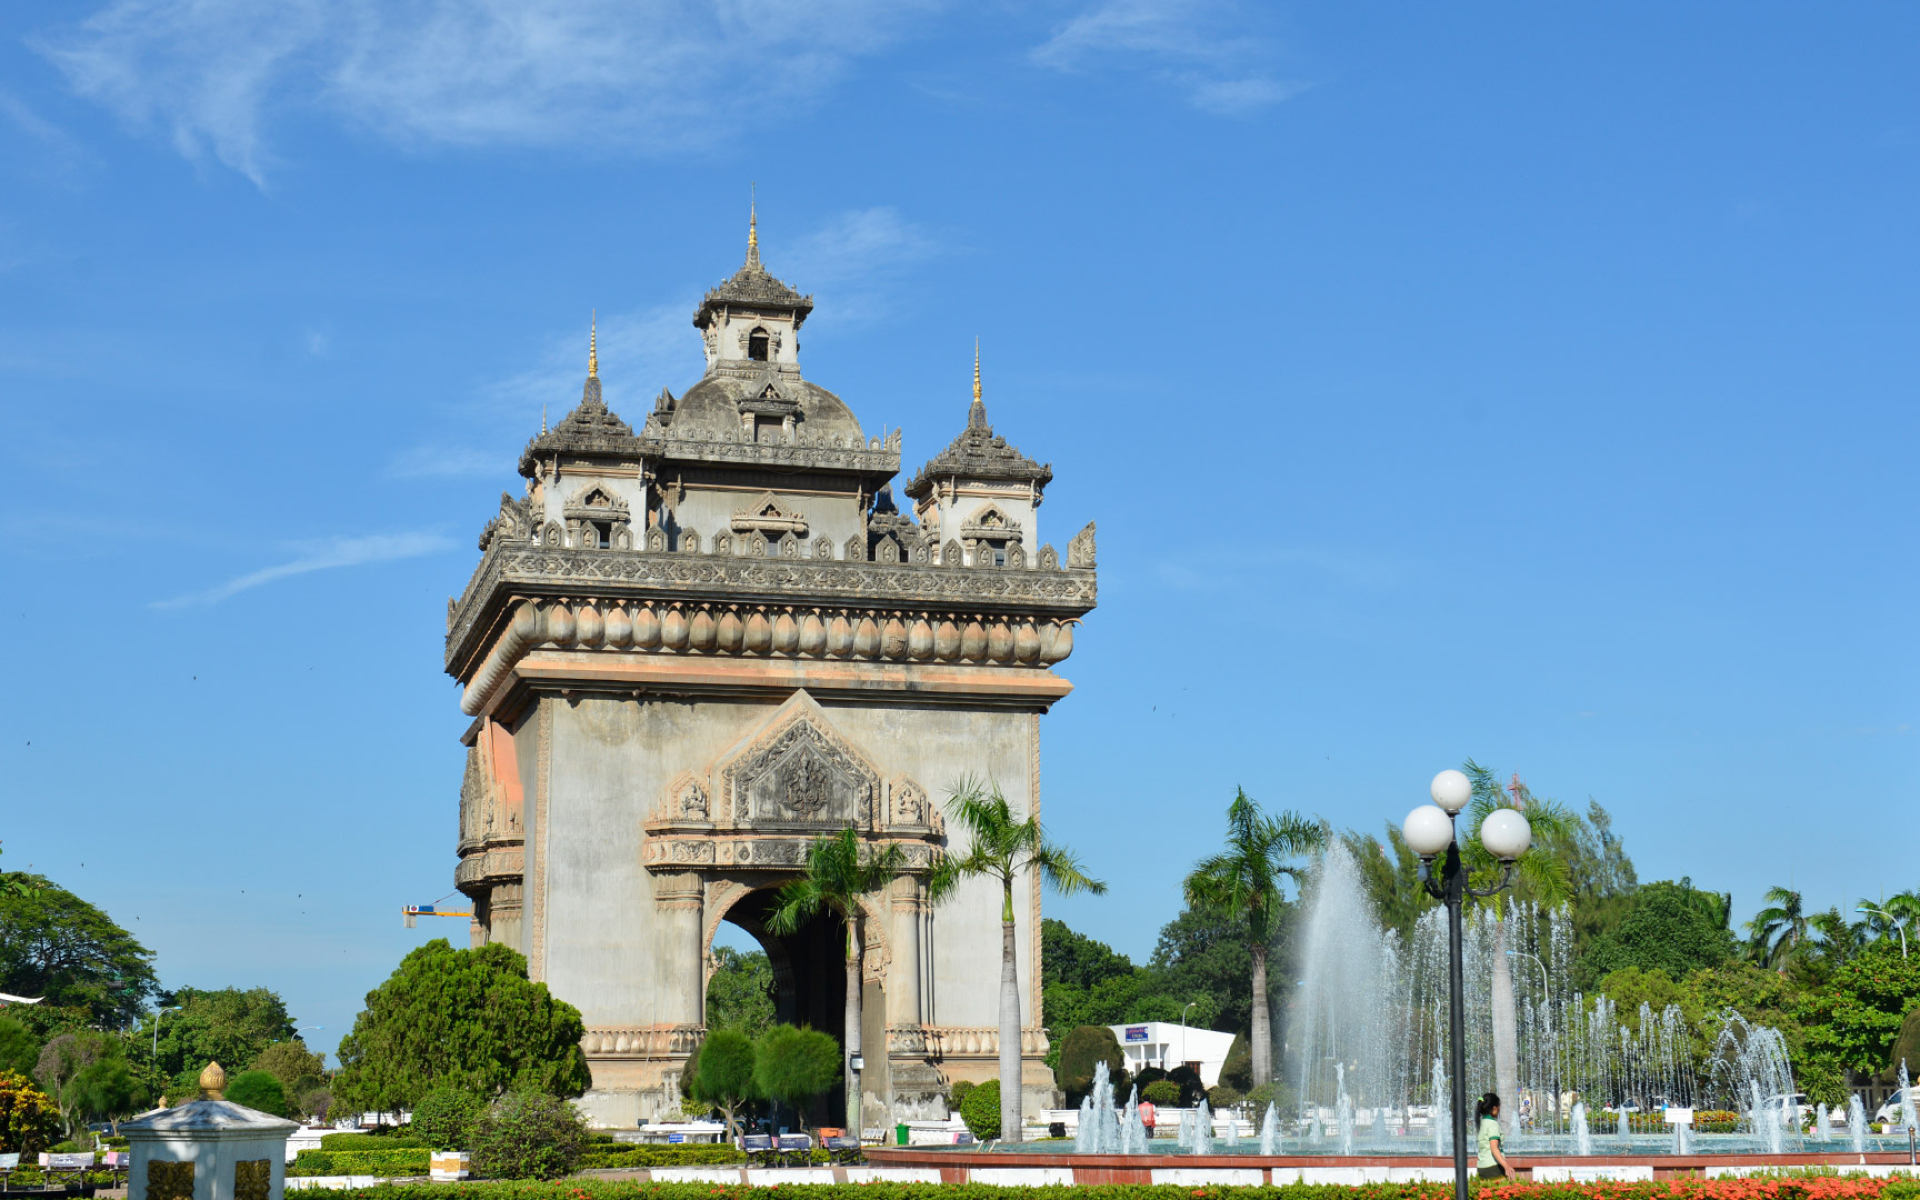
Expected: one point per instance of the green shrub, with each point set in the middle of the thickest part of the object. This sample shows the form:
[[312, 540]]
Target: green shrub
[[1085, 1047], [1164, 1093], [958, 1096], [795, 1064], [1260, 1097], [445, 1117], [360, 1162], [1191, 1089], [981, 1110], [601, 1157], [528, 1135], [393, 1139], [1222, 1096], [258, 1090], [1237, 1071]]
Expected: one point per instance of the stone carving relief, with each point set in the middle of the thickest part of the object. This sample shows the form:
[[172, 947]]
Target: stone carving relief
[[768, 515], [1080, 549], [515, 523], [804, 774], [684, 800], [909, 807], [775, 790]]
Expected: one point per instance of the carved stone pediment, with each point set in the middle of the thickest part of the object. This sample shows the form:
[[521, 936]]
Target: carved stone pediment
[[800, 771], [766, 514], [791, 780]]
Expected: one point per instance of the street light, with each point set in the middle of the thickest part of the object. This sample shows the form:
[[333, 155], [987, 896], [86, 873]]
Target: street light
[[157, 1013], [1429, 832], [1864, 908]]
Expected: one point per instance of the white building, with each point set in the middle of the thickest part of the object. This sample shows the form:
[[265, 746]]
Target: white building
[[1159, 1044]]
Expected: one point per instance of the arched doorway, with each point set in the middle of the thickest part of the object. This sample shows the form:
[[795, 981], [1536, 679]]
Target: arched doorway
[[810, 983]]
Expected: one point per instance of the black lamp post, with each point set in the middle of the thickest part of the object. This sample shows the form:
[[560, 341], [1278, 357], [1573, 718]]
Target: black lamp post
[[1429, 831]]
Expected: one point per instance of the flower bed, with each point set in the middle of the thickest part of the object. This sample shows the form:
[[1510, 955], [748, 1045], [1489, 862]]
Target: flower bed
[[1795, 1186]]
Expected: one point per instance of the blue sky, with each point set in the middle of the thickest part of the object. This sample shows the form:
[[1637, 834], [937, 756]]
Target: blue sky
[[1504, 381]]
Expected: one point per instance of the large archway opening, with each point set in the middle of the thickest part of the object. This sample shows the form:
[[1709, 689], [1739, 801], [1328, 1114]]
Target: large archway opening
[[809, 986]]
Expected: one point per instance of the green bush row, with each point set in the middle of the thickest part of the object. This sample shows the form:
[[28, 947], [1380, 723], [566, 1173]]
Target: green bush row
[[602, 1156], [1807, 1186], [402, 1161], [374, 1141]]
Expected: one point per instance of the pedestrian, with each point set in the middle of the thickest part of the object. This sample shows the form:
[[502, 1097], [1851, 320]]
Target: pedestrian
[[1492, 1161], [1147, 1116]]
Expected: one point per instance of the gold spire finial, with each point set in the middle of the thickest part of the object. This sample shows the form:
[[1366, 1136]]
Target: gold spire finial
[[213, 1081], [753, 222], [976, 367], [593, 345]]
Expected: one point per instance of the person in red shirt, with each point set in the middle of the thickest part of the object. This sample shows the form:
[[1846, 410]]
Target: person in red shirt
[[1147, 1115]]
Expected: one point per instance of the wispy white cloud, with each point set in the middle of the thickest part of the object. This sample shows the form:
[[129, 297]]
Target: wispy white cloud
[[855, 261], [319, 342], [855, 264], [321, 556], [641, 351], [1201, 47], [53, 154], [582, 74]]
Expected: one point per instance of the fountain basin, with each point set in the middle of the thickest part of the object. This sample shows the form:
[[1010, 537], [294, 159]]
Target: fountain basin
[[959, 1165]]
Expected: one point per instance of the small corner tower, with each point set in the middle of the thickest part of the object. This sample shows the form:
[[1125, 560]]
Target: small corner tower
[[977, 499]]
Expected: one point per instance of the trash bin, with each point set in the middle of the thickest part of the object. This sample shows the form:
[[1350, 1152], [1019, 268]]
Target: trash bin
[[900, 1134]]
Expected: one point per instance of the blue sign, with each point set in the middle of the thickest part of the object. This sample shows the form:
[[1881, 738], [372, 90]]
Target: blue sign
[[1136, 1033], [676, 1137]]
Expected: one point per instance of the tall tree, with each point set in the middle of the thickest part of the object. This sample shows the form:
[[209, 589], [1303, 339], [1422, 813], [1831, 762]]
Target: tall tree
[[1002, 846], [462, 1018], [1543, 878], [1244, 882], [741, 992], [1777, 931], [841, 872], [55, 945], [230, 1026]]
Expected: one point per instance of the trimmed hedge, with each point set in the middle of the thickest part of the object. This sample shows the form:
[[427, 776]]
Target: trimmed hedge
[[603, 1157], [1798, 1186], [374, 1141], [397, 1161]]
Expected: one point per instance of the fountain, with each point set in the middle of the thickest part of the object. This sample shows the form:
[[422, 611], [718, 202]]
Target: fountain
[[1202, 1129], [1908, 1119], [1366, 1053]]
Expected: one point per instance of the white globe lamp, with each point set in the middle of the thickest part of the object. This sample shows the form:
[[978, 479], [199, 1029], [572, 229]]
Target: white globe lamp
[[1506, 834], [1428, 830], [1451, 790]]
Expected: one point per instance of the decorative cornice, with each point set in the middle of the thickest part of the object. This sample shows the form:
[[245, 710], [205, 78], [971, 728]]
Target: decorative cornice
[[844, 632], [642, 1042], [673, 579]]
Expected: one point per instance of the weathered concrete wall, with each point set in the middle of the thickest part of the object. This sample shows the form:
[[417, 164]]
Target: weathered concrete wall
[[606, 937]]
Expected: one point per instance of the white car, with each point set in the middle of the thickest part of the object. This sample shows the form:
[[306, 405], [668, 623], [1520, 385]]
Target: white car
[[1890, 1111]]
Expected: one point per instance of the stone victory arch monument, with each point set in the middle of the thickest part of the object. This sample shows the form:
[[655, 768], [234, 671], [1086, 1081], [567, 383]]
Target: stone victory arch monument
[[690, 649]]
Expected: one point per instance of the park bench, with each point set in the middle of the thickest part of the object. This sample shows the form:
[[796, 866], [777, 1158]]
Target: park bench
[[759, 1149], [842, 1149], [796, 1149]]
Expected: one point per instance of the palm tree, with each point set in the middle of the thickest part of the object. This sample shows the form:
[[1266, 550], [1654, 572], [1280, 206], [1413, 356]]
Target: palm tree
[[1776, 932], [1243, 883], [1001, 846], [1543, 877], [840, 873]]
